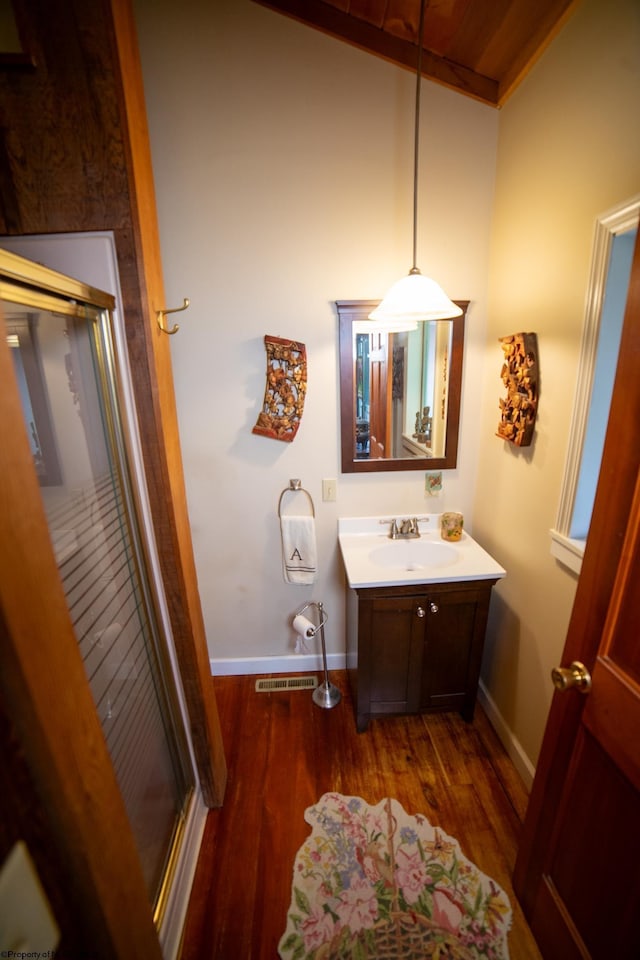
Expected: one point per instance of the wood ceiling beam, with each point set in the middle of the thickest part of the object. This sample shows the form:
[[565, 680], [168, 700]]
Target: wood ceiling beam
[[550, 23], [336, 23]]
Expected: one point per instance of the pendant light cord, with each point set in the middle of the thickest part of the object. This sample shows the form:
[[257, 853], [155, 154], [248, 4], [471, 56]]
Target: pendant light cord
[[414, 268]]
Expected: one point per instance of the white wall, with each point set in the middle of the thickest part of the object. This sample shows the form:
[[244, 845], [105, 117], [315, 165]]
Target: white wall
[[283, 165], [568, 151]]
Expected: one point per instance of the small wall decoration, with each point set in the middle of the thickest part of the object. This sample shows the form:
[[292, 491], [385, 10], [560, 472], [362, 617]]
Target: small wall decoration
[[433, 483], [423, 427], [397, 383], [285, 389], [520, 377]]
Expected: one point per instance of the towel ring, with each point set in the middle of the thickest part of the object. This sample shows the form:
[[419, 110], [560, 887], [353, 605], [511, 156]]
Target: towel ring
[[295, 486]]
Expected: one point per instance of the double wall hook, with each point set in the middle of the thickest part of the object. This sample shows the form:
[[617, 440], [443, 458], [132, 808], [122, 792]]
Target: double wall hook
[[161, 314]]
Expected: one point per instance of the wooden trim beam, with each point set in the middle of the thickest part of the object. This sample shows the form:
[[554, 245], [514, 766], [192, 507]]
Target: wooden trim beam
[[326, 18], [157, 416]]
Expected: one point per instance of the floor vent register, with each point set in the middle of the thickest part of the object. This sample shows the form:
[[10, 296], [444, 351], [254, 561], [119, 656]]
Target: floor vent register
[[267, 684]]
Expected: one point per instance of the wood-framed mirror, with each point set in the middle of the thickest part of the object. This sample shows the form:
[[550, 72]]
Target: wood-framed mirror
[[399, 392]]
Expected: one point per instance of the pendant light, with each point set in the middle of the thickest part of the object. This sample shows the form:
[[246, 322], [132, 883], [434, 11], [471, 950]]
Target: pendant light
[[415, 297]]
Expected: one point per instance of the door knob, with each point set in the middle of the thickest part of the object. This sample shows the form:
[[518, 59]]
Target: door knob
[[433, 606], [576, 675], [421, 612]]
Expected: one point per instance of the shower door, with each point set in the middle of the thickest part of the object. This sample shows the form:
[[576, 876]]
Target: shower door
[[64, 363]]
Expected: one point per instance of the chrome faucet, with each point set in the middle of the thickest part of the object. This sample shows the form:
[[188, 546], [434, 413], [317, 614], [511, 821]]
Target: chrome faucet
[[407, 529]]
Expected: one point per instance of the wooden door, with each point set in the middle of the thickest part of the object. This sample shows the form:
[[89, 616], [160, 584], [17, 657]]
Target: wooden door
[[577, 873], [378, 375]]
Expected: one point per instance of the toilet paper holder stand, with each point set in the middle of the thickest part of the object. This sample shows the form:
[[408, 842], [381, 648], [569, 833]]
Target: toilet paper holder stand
[[326, 694]]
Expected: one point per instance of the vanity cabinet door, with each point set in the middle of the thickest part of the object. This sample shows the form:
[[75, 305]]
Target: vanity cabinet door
[[390, 648], [416, 648], [454, 640]]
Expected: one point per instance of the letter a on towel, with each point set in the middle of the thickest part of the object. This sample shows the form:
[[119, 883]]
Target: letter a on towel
[[299, 552]]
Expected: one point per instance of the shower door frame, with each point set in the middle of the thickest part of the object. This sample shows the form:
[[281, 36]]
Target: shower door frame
[[88, 57], [46, 694], [89, 168], [95, 254]]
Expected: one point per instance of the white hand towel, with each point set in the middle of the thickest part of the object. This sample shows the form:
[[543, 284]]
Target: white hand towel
[[299, 552]]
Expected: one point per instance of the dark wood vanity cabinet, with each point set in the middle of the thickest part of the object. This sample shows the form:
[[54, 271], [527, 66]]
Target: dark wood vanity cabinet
[[416, 648]]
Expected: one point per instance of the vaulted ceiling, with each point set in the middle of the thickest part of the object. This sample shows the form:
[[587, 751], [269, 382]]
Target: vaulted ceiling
[[481, 48]]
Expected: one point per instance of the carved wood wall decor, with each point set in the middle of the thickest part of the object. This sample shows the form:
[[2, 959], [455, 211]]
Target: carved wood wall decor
[[285, 389], [519, 374]]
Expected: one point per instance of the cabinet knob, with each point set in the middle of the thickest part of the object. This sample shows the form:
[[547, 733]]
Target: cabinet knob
[[421, 612], [433, 607]]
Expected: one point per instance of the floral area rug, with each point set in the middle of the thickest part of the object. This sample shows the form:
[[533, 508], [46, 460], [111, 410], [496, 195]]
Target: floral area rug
[[374, 882]]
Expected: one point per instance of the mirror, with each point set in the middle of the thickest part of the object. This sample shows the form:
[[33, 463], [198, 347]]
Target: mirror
[[399, 392]]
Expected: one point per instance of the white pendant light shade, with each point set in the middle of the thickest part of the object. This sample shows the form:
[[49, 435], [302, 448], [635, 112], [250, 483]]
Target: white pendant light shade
[[394, 325], [412, 299]]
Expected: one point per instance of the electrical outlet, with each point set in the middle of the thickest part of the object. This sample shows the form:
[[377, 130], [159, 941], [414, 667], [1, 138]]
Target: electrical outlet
[[329, 488]]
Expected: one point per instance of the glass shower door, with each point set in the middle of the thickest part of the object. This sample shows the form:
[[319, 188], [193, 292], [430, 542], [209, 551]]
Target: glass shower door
[[65, 367]]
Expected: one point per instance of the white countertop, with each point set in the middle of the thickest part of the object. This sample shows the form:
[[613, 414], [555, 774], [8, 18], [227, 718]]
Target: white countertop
[[360, 536]]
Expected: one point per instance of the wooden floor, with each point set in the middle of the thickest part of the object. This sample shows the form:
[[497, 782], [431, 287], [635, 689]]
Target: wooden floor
[[283, 753]]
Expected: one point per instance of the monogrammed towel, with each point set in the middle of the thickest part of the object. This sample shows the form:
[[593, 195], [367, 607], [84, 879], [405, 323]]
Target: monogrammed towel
[[299, 551]]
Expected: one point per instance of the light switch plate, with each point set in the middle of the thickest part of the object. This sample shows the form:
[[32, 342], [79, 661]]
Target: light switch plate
[[27, 925], [329, 488]]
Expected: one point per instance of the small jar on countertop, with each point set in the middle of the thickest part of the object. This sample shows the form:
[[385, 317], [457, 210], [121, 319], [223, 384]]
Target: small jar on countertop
[[451, 526]]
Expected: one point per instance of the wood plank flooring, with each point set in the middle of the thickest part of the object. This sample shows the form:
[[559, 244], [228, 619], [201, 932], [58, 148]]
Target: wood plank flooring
[[283, 753]]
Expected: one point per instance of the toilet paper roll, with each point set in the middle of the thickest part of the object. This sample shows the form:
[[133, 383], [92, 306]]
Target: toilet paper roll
[[303, 626]]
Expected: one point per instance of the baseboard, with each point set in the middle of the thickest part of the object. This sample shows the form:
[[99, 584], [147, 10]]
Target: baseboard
[[295, 663], [511, 744]]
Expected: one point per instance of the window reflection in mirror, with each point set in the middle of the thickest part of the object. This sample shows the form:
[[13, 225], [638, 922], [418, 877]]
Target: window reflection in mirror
[[400, 392], [425, 394]]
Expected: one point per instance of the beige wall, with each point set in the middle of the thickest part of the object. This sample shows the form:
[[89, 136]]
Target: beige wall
[[568, 150], [284, 162]]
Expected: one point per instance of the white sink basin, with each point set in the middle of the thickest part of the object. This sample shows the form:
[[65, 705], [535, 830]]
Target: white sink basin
[[413, 555], [371, 559]]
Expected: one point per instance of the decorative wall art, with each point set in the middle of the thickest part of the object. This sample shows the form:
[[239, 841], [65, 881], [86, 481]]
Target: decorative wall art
[[285, 389], [424, 424], [397, 384], [519, 374]]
